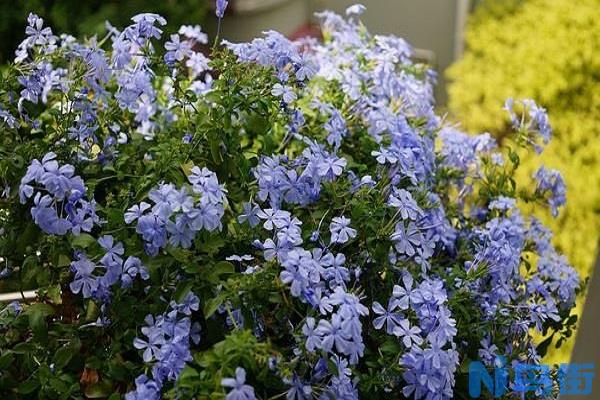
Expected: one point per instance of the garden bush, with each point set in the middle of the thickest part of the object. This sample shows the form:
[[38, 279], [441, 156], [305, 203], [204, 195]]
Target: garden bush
[[278, 219], [543, 50]]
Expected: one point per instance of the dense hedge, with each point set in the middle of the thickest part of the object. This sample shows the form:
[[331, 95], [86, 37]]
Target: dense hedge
[[546, 50]]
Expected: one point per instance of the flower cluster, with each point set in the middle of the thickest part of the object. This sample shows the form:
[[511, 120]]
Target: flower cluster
[[175, 216], [533, 123], [91, 284], [550, 183], [460, 151], [167, 344], [433, 360], [298, 181], [362, 246], [58, 196]]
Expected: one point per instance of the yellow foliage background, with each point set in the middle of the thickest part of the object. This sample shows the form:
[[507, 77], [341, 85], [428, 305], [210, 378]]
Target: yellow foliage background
[[546, 50]]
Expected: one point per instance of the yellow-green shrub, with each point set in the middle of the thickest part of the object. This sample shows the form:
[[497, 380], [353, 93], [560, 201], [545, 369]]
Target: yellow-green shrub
[[544, 50]]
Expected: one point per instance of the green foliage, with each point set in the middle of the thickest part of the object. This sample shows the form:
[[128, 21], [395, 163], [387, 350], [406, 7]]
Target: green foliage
[[547, 51]]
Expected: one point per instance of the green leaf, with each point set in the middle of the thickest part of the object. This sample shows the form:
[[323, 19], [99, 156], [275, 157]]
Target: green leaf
[[542, 348], [91, 311], [29, 385], [30, 269], [215, 151], [211, 305], [220, 268], [98, 390], [179, 254], [64, 354], [54, 294], [83, 240], [187, 168], [59, 385], [211, 244], [23, 348], [63, 261], [37, 314], [6, 360], [28, 237], [182, 290], [390, 347]]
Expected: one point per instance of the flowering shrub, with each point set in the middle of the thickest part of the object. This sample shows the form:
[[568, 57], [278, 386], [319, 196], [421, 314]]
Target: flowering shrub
[[282, 219], [566, 86]]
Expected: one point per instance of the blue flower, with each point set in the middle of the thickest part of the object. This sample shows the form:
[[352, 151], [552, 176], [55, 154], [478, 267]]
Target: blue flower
[[8, 118], [285, 92], [462, 151], [151, 347], [145, 389], [384, 156], [250, 214], [298, 390], [274, 218], [551, 183], [136, 212], [36, 33], [84, 281], [198, 63], [131, 268], [207, 216], [336, 126], [334, 334], [503, 203], [340, 230], [305, 68], [403, 296], [335, 270], [431, 291], [46, 216], [205, 183], [410, 335], [177, 50], [387, 317], [114, 251], [406, 238], [145, 26], [341, 387], [313, 340], [356, 9], [533, 122], [488, 351], [331, 167], [220, 9], [189, 303], [168, 342], [194, 32], [320, 301], [177, 214], [239, 389], [407, 207]]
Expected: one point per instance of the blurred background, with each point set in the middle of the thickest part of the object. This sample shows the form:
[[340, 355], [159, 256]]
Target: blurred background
[[483, 51]]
